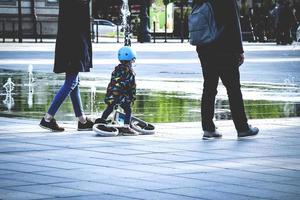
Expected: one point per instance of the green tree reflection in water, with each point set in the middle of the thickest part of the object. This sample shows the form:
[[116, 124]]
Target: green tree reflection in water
[[150, 105]]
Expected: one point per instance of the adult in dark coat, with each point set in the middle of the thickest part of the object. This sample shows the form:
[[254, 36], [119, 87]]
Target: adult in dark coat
[[73, 54], [73, 51], [286, 20], [221, 59]]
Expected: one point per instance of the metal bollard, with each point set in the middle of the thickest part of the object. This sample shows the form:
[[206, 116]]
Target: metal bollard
[[3, 31], [165, 32], [154, 35], [14, 30], [92, 31], [118, 34], [41, 31], [97, 36]]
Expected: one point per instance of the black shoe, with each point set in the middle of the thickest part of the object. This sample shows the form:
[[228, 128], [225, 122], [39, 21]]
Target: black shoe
[[101, 121], [127, 131], [211, 135], [88, 126], [52, 125], [250, 132]]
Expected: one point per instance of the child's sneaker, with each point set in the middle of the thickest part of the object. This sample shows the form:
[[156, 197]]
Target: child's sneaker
[[101, 121], [88, 126], [52, 125], [127, 131]]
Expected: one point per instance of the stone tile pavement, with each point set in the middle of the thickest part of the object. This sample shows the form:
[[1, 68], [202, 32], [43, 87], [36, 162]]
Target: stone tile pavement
[[173, 164]]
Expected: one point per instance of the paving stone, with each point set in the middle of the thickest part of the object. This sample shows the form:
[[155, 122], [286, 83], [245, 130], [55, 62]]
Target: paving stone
[[52, 190], [151, 195], [34, 178], [97, 187], [175, 163], [6, 183], [202, 193], [6, 194], [95, 197], [23, 167], [177, 182], [252, 192]]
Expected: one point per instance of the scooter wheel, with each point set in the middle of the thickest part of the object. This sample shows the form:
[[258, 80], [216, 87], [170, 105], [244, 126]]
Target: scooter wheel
[[104, 130], [143, 128]]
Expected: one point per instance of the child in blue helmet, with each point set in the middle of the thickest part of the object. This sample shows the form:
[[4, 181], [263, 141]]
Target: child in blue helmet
[[122, 89]]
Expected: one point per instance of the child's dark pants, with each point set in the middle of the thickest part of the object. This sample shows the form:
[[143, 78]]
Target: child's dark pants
[[125, 106]]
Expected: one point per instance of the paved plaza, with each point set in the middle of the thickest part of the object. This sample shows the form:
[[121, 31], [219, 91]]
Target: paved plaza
[[175, 163]]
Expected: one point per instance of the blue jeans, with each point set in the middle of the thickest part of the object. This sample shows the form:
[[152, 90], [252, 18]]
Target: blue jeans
[[70, 87]]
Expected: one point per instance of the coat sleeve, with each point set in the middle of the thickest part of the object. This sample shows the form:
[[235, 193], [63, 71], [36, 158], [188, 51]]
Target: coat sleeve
[[129, 85], [234, 23], [133, 88]]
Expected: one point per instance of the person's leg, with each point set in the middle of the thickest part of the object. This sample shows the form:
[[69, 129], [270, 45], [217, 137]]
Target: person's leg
[[127, 109], [210, 84], [230, 77], [76, 101], [127, 130], [71, 82], [287, 35], [278, 36], [48, 121], [102, 120], [84, 123], [109, 109]]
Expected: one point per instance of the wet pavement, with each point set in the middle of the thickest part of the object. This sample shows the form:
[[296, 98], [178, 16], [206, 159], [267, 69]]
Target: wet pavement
[[175, 163], [169, 81], [163, 61]]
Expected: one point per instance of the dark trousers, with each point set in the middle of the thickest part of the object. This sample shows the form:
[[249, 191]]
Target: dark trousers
[[283, 35], [125, 106], [226, 68]]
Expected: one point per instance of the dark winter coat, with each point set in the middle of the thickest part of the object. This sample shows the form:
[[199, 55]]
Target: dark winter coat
[[73, 52], [230, 40], [122, 87], [286, 18]]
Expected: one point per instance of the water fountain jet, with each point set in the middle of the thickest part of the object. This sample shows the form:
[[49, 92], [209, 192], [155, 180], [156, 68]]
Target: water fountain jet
[[125, 26], [9, 100]]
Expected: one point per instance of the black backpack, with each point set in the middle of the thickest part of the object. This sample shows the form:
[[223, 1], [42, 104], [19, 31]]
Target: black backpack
[[202, 25]]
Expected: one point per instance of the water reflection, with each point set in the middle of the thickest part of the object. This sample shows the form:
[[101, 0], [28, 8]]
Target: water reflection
[[32, 96]]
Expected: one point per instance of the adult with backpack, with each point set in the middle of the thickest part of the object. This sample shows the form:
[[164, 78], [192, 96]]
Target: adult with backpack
[[215, 29]]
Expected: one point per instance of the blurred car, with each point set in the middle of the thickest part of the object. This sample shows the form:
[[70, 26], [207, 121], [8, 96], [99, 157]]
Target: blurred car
[[105, 28]]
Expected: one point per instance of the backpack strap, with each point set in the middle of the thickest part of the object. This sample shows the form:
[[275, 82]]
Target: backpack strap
[[197, 2]]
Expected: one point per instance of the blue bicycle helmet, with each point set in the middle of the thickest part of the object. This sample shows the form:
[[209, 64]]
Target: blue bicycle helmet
[[126, 54]]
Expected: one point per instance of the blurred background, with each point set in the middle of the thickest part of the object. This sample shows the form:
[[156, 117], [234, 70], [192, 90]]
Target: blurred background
[[168, 71], [261, 20]]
